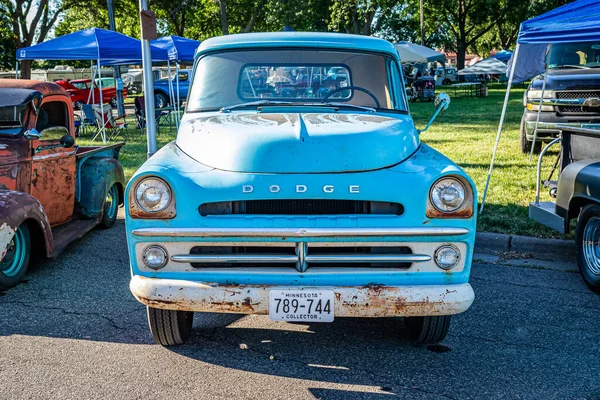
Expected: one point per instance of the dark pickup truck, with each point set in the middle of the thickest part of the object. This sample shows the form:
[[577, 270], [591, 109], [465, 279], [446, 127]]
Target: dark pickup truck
[[571, 96]]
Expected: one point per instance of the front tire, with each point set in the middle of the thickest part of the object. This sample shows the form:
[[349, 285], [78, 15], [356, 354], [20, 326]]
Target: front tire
[[588, 246], [170, 327], [160, 100], [16, 260], [111, 208], [526, 144], [428, 330]]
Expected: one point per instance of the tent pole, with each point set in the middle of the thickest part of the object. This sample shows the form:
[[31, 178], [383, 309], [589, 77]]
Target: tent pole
[[506, 97], [537, 121], [178, 100], [101, 104], [171, 90], [148, 89], [91, 93]]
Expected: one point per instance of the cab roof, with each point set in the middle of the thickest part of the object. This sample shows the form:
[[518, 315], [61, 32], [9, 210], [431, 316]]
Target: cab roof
[[341, 41], [46, 88]]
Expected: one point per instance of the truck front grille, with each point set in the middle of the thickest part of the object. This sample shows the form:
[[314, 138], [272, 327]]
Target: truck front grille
[[300, 207], [301, 256], [578, 95]]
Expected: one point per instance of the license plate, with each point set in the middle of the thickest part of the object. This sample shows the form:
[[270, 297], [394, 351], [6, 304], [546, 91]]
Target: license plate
[[301, 305]]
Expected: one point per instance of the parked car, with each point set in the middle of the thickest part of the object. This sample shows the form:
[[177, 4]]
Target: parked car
[[577, 194], [445, 76], [162, 90], [79, 91], [571, 95], [302, 208], [52, 191]]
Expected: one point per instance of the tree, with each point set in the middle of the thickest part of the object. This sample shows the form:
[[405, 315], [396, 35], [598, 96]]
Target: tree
[[360, 17], [7, 43], [31, 21]]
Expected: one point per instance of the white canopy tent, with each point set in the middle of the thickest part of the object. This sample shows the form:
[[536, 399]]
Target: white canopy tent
[[414, 53], [489, 66], [574, 22]]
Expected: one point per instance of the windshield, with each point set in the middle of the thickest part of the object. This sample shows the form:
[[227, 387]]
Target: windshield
[[575, 55], [294, 77], [12, 119], [79, 85]]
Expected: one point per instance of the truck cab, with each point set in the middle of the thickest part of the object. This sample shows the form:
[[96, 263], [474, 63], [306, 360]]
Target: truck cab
[[165, 89], [52, 191], [571, 95], [305, 204]]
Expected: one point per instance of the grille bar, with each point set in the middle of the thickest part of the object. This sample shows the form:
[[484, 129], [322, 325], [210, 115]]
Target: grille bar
[[303, 207], [235, 258], [300, 207], [283, 259]]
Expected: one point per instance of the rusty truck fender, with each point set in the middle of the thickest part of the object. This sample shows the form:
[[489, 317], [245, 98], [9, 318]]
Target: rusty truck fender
[[98, 174], [17, 208]]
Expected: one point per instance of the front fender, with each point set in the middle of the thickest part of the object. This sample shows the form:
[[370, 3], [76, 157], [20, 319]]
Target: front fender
[[98, 174], [577, 185], [16, 208]]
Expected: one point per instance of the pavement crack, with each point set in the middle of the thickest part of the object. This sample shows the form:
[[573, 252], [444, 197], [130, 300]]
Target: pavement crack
[[110, 321]]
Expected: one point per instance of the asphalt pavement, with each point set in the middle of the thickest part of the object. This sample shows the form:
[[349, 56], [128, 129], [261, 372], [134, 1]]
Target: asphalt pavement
[[73, 331]]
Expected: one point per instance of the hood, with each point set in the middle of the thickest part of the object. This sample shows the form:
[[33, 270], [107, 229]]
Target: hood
[[569, 79], [297, 143]]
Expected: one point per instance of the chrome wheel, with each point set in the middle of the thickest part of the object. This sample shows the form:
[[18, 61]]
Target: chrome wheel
[[591, 245]]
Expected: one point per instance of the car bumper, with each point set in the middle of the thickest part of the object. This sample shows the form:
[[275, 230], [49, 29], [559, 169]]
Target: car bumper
[[547, 126], [363, 301]]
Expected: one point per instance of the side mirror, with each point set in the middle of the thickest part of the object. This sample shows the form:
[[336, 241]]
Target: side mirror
[[441, 102], [32, 134], [67, 141]]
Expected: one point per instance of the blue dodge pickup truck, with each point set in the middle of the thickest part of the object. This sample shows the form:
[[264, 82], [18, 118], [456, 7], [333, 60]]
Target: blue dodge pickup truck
[[298, 188]]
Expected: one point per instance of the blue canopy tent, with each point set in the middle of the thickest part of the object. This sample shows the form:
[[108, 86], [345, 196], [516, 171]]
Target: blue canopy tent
[[503, 55], [574, 22], [178, 49], [94, 44], [106, 47]]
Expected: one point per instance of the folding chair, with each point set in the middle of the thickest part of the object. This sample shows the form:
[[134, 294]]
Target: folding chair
[[89, 123], [113, 126], [140, 114]]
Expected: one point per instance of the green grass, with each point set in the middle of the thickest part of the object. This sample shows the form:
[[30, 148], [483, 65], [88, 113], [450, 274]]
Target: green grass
[[466, 133]]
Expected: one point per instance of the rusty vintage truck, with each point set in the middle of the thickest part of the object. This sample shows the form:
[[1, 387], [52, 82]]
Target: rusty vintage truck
[[52, 191]]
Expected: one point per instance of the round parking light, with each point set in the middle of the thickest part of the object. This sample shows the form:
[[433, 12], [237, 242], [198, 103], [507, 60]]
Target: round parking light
[[447, 256], [155, 257]]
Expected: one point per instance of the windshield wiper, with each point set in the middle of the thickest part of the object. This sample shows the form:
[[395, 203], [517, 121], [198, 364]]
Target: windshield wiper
[[334, 104], [570, 66], [255, 103]]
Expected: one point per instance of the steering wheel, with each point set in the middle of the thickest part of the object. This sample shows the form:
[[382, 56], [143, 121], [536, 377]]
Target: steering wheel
[[341, 89]]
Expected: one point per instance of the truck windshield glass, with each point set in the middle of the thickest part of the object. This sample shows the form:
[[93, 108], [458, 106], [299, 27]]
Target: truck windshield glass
[[575, 55], [12, 119], [295, 76]]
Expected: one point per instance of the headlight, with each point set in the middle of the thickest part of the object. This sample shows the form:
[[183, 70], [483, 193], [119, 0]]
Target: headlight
[[532, 100], [153, 195], [447, 195]]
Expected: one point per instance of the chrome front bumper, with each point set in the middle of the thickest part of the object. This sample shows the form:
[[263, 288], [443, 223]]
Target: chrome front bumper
[[360, 301]]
